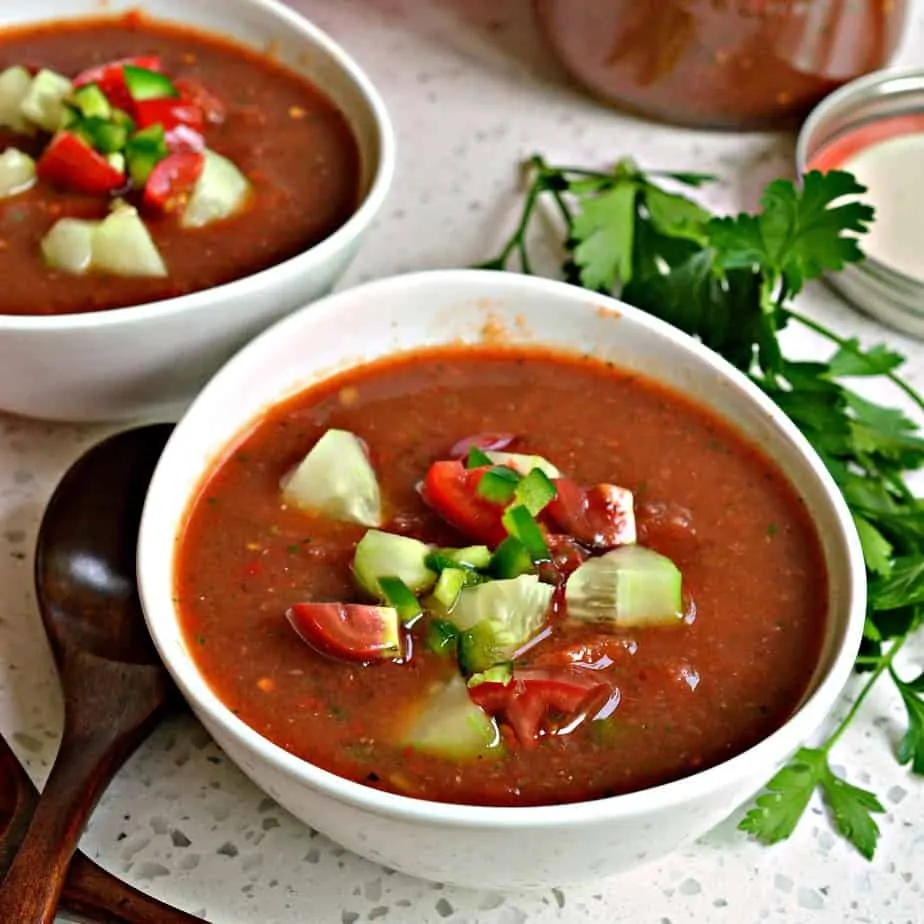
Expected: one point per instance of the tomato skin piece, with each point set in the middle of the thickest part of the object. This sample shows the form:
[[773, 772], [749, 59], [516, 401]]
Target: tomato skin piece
[[193, 92], [110, 79], [171, 181], [451, 490], [168, 112], [596, 516], [349, 631], [182, 139], [70, 162], [525, 702]]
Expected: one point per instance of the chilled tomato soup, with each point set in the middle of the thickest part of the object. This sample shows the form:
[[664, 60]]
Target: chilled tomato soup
[[141, 161], [499, 576]]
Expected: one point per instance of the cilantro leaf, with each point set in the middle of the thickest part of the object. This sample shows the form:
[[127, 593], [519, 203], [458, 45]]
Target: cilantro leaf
[[911, 747], [850, 359], [777, 811], [799, 234], [852, 810], [602, 232]]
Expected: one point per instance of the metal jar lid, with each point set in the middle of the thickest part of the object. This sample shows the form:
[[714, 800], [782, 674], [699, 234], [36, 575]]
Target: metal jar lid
[[881, 106]]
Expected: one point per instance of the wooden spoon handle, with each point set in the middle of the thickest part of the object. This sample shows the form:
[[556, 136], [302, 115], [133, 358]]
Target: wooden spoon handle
[[90, 891], [100, 897], [115, 712]]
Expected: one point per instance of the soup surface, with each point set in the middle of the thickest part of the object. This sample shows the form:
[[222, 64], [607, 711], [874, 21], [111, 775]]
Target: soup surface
[[293, 146], [605, 708]]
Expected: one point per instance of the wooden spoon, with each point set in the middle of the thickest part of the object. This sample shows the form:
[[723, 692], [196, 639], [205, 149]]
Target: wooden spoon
[[115, 688], [89, 892]]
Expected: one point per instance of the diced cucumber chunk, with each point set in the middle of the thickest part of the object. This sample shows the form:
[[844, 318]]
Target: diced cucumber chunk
[[511, 559], [144, 84], [123, 246], [448, 587], [499, 673], [535, 491], [401, 598], [336, 479], [116, 159], [441, 636], [451, 725], [119, 244], [92, 102], [379, 554], [523, 464], [478, 649], [221, 191], [630, 586], [472, 556], [68, 246], [17, 173], [14, 86], [43, 104], [515, 610]]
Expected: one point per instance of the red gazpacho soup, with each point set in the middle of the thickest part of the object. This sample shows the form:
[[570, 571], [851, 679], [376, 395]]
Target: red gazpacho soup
[[500, 576], [141, 160]]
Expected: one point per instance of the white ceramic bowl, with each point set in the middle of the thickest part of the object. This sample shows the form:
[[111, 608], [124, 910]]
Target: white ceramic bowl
[[148, 360], [470, 845]]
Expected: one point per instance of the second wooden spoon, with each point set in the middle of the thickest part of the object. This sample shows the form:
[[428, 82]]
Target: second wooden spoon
[[115, 688], [89, 892]]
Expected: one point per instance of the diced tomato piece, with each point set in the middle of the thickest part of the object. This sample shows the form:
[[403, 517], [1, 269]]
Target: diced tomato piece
[[168, 112], [171, 181], [352, 631], [110, 78], [486, 442], [601, 516], [567, 553], [451, 490], [191, 91], [527, 701], [70, 162]]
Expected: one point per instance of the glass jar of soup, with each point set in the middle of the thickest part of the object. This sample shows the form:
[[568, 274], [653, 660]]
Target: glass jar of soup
[[721, 63]]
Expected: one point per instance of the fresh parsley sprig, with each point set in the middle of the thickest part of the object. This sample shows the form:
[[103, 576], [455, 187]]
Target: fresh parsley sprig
[[729, 281]]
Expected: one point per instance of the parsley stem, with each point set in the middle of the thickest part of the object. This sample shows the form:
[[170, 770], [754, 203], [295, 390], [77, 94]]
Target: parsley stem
[[847, 345], [884, 664], [517, 240]]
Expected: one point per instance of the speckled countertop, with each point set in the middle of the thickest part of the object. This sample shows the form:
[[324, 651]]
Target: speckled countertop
[[471, 92]]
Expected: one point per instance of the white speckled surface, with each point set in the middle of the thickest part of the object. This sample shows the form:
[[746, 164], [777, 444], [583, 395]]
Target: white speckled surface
[[471, 93]]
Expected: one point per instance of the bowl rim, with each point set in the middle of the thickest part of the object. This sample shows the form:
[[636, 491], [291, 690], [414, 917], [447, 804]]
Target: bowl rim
[[768, 752], [255, 284]]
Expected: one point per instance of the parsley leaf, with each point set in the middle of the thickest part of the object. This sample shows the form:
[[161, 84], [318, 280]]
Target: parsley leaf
[[777, 812], [799, 234], [911, 747], [850, 359], [603, 231], [903, 587], [852, 809], [877, 550]]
